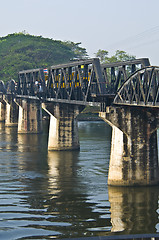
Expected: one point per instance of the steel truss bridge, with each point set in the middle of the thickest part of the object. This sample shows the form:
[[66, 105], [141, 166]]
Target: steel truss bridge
[[88, 82], [65, 92]]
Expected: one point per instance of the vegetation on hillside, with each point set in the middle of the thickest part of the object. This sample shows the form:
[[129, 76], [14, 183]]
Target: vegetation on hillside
[[21, 51]]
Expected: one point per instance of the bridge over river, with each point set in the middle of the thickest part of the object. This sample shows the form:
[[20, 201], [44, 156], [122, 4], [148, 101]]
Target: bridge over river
[[128, 96]]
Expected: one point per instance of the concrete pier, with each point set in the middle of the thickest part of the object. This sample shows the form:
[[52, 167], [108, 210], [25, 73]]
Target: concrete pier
[[11, 112], [63, 131], [30, 116], [134, 153], [2, 110]]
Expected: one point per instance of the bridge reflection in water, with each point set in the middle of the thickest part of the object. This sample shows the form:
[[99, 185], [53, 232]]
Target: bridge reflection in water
[[134, 209], [65, 194]]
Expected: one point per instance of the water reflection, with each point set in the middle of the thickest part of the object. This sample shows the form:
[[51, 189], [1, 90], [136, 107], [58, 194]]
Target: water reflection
[[48, 195], [32, 142], [133, 210], [62, 167], [54, 191], [7, 134]]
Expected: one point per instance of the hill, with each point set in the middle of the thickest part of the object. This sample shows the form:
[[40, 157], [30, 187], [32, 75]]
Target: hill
[[20, 51]]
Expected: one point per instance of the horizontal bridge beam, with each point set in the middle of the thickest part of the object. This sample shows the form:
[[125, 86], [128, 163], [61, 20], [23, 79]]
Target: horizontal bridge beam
[[142, 61], [75, 63]]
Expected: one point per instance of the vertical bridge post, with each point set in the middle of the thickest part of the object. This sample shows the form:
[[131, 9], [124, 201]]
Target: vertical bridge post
[[63, 131], [134, 153]]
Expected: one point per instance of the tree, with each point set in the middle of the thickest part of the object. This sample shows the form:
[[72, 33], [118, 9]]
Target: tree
[[123, 56], [102, 55], [119, 56], [80, 53], [22, 51]]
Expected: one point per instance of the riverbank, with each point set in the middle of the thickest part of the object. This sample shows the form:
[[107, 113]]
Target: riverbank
[[88, 117], [89, 114]]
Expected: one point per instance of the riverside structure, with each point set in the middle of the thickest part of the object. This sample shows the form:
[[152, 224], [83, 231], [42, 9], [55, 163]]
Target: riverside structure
[[128, 96]]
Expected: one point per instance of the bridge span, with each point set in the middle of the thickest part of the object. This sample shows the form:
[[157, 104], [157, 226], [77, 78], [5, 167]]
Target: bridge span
[[128, 96]]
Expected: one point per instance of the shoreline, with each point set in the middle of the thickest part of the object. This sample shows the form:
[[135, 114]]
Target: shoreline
[[89, 118]]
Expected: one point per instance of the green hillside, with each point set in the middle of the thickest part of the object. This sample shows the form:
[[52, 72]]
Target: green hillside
[[21, 51]]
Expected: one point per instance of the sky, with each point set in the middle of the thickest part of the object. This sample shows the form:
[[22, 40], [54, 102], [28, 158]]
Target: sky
[[128, 25]]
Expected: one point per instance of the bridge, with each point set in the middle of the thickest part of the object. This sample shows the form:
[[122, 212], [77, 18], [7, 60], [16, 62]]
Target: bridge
[[128, 96]]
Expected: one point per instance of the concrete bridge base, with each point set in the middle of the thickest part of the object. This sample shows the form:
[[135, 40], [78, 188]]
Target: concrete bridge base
[[134, 153], [63, 131], [2, 111], [11, 112], [30, 116]]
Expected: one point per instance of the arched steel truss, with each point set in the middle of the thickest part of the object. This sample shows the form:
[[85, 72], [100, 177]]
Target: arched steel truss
[[115, 74], [140, 89]]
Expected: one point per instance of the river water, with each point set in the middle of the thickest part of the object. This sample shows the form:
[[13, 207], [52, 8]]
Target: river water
[[46, 195]]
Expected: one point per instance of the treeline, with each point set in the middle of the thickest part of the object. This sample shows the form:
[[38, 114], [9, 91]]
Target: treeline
[[119, 56], [21, 51]]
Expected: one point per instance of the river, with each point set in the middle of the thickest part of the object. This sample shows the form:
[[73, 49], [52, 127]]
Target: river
[[46, 195]]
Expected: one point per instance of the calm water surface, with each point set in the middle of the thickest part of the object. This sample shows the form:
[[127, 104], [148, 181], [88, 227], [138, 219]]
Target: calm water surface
[[46, 195]]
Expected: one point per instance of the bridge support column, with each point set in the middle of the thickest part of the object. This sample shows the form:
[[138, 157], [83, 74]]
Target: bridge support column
[[11, 113], [63, 132], [2, 111], [30, 116], [134, 153]]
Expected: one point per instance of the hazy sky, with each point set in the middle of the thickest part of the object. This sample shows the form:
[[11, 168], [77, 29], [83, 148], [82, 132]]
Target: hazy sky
[[129, 25]]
